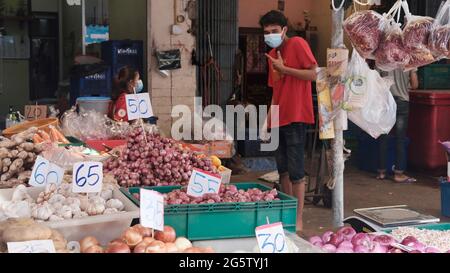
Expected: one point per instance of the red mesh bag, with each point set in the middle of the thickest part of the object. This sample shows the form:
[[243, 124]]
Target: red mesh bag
[[391, 53]]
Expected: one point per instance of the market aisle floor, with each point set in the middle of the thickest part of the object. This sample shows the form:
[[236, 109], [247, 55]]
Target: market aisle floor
[[362, 190]]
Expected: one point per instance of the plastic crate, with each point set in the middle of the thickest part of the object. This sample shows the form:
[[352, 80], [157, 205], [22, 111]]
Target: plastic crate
[[445, 198], [120, 53], [435, 76], [225, 220], [90, 81]]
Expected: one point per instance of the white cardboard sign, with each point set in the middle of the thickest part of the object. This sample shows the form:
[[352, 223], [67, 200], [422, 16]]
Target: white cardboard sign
[[139, 106], [152, 209]]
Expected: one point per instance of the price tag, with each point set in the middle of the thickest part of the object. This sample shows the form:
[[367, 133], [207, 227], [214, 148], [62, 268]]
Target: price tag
[[202, 183], [87, 177], [152, 209], [33, 112], [35, 247], [45, 173], [139, 106], [271, 238]]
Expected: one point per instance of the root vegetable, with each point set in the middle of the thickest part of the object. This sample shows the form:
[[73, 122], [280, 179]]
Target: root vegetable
[[156, 247], [95, 249], [118, 248], [132, 237]]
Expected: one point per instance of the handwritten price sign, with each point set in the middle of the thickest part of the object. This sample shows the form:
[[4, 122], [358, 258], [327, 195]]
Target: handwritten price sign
[[152, 209], [87, 177], [202, 183], [45, 173], [139, 106], [32, 247], [271, 238]]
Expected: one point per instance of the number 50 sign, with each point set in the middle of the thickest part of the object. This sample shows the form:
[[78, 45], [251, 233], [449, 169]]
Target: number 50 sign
[[139, 106]]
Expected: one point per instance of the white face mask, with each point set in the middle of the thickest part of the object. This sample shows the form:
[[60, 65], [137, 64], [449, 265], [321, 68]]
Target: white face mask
[[274, 40]]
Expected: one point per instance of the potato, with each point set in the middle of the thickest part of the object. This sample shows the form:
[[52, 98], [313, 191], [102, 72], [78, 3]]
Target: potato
[[8, 144], [15, 166], [27, 233], [4, 153], [14, 153], [27, 146], [23, 155]]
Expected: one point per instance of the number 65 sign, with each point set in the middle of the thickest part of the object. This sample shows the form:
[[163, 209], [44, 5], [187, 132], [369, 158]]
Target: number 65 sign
[[139, 106], [87, 177]]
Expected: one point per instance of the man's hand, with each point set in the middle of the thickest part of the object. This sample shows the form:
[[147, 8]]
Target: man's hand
[[278, 63]]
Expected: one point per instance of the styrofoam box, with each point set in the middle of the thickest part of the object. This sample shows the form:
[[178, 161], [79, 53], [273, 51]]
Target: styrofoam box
[[103, 227], [226, 176]]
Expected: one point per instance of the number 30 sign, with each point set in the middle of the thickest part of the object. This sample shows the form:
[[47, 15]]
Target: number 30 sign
[[271, 238]]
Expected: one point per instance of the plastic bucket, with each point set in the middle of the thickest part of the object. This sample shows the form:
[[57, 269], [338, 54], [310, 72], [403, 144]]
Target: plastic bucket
[[98, 104]]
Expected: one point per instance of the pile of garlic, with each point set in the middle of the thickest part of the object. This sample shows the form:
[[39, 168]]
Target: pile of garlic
[[60, 203]]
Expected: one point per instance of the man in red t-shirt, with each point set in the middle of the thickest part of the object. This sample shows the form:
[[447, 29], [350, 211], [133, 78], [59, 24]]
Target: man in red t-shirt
[[292, 69]]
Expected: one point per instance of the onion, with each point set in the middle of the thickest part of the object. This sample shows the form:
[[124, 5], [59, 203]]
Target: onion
[[193, 250], [132, 237], [384, 240], [148, 240], [141, 247], [95, 249], [156, 247], [347, 232], [315, 240], [167, 236], [362, 239], [432, 250], [183, 244], [171, 248], [396, 251], [361, 249], [336, 239], [327, 236], [378, 248], [346, 244], [87, 243], [415, 252], [409, 241], [118, 248], [345, 249], [145, 232], [329, 248]]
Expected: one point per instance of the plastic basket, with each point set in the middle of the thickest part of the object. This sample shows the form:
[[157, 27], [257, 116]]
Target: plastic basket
[[41, 124], [435, 76], [225, 220]]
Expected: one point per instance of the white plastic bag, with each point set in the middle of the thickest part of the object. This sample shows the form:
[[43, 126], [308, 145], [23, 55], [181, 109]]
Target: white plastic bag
[[378, 115], [356, 83]]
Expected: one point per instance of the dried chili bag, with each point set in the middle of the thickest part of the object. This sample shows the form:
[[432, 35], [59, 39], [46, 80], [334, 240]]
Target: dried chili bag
[[439, 41], [391, 53]]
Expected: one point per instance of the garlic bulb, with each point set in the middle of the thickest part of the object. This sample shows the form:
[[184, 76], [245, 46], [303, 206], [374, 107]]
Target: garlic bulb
[[106, 194], [57, 206], [75, 208], [109, 211], [65, 212], [42, 212], [21, 194], [80, 214], [97, 200], [72, 201], [95, 209], [50, 189], [55, 218], [20, 209], [57, 198], [115, 204], [84, 202]]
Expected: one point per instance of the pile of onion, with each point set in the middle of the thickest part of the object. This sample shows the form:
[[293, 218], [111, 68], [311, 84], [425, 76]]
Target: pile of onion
[[137, 239]]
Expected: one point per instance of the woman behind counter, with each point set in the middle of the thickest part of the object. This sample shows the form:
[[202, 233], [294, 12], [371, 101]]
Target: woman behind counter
[[127, 82]]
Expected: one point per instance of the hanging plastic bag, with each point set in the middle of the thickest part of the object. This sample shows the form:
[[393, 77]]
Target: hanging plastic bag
[[365, 29], [169, 60], [439, 42], [356, 85], [391, 53], [378, 115], [416, 35]]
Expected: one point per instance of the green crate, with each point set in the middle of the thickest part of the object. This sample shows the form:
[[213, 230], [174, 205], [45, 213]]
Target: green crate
[[225, 220], [435, 76], [439, 227]]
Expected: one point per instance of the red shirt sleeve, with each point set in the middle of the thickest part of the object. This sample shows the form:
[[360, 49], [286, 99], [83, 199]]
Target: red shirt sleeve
[[120, 109], [304, 54]]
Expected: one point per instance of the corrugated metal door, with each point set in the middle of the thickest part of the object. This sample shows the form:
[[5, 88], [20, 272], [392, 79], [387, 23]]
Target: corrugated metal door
[[217, 19]]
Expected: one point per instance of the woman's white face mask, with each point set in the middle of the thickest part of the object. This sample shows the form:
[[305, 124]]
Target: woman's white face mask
[[274, 40]]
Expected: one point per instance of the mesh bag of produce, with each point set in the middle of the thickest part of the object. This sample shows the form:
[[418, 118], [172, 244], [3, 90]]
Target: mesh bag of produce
[[365, 29], [391, 53], [439, 40]]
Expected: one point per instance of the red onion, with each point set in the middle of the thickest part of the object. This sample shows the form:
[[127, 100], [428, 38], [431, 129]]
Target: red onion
[[361, 249], [410, 241], [378, 248], [384, 240], [329, 248], [327, 236], [347, 232], [315, 240], [432, 250], [415, 252], [395, 251], [336, 239], [362, 239], [345, 249], [346, 244]]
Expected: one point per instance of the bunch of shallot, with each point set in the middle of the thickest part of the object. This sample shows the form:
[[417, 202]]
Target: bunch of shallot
[[152, 160]]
